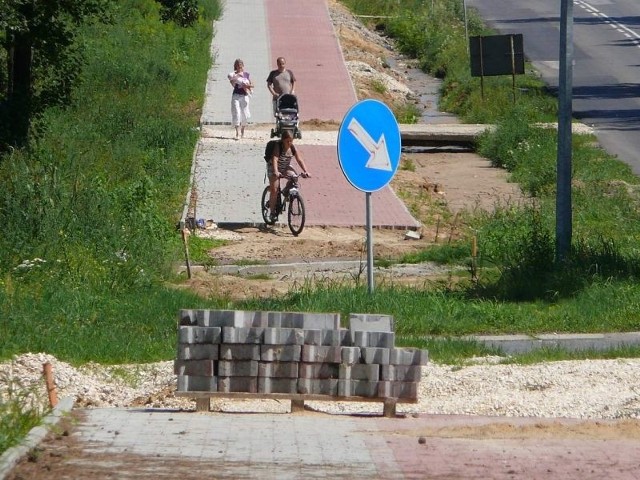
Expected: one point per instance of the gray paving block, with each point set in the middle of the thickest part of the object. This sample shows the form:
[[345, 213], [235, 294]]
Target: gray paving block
[[280, 353], [278, 369], [199, 334], [313, 337], [277, 385], [187, 317], [274, 320], [309, 386], [291, 320], [407, 390], [310, 321], [373, 339], [357, 388], [199, 368], [238, 384], [351, 355], [321, 321], [328, 337], [318, 370], [242, 335], [401, 373], [198, 351], [360, 371], [377, 355], [408, 356], [227, 318], [321, 354], [368, 322], [240, 368], [194, 317], [217, 318], [283, 336], [239, 351], [192, 383], [253, 319], [338, 337]]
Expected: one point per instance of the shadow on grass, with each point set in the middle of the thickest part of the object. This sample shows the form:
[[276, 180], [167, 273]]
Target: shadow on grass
[[539, 277]]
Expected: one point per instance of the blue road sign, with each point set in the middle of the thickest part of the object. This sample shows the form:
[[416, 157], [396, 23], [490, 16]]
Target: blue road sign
[[369, 145]]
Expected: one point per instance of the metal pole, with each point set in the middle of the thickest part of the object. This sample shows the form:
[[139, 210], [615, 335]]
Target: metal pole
[[565, 81], [369, 242]]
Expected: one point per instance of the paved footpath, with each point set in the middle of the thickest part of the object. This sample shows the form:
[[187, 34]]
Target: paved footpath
[[117, 443], [229, 175]]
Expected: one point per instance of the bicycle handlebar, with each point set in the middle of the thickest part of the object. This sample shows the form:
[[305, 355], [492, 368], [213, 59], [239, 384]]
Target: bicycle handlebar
[[293, 176]]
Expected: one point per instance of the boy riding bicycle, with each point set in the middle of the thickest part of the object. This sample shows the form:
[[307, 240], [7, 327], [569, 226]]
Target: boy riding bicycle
[[279, 165]]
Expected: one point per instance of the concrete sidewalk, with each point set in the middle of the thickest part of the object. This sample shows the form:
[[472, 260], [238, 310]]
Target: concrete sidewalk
[[153, 444]]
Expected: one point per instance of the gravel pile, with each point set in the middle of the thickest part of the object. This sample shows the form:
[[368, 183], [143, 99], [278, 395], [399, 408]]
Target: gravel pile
[[592, 389]]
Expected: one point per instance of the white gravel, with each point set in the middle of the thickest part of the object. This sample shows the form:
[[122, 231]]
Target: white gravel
[[591, 389]]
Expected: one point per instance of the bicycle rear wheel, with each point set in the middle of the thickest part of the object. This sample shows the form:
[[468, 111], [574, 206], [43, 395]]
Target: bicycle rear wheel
[[296, 216], [266, 195]]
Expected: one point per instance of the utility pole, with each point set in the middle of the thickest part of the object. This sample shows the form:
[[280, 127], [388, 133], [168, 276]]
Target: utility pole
[[565, 82]]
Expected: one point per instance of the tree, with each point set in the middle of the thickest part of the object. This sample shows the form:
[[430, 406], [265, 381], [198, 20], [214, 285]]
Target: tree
[[42, 60], [182, 12]]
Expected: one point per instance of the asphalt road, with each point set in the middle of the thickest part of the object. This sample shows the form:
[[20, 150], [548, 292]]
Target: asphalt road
[[606, 46]]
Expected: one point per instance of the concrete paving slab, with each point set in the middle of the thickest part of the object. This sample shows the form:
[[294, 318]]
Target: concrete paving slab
[[240, 33]]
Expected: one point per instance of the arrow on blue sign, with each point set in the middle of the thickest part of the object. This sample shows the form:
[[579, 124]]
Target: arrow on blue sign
[[378, 153]]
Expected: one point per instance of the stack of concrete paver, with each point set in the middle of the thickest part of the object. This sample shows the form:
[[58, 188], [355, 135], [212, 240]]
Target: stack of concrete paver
[[231, 351]]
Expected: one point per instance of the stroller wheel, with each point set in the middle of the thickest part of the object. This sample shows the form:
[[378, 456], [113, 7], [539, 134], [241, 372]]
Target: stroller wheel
[[298, 134], [273, 133]]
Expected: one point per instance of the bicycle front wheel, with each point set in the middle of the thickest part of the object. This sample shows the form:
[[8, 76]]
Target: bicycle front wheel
[[296, 215], [266, 195]]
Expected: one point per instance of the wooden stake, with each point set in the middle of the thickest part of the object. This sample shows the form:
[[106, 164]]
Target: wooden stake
[[47, 370], [297, 406], [453, 228], [474, 259], [185, 241]]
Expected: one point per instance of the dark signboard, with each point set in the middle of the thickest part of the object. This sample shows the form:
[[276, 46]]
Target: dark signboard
[[496, 55]]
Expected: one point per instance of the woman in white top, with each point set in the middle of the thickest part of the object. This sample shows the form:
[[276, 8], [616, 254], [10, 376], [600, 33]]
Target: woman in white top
[[242, 87]]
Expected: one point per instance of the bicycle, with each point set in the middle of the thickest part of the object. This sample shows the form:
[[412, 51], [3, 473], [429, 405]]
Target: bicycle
[[290, 195]]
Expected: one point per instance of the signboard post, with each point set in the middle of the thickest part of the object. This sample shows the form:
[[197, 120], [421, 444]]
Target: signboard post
[[369, 152]]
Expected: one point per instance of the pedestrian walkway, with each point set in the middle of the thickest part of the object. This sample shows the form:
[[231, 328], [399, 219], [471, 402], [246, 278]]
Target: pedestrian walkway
[[156, 444], [228, 175]]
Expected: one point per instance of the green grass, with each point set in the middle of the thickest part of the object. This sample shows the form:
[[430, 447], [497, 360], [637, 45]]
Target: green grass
[[249, 261], [200, 247]]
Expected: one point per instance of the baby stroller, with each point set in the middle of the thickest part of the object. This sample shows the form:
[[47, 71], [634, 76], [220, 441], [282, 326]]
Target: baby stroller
[[286, 116]]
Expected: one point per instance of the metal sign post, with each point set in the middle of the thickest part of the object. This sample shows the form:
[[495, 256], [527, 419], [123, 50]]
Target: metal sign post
[[563, 180], [369, 152], [369, 241]]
